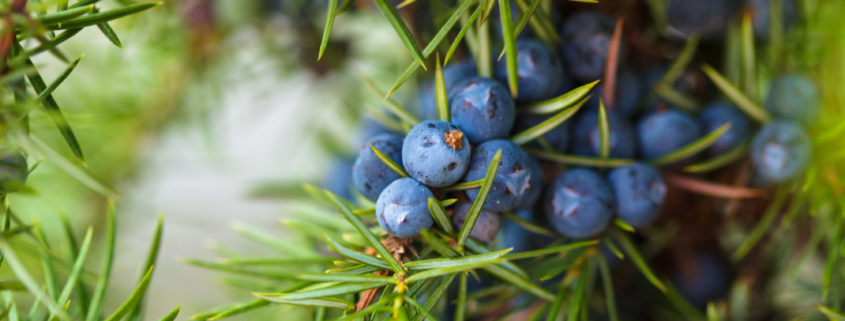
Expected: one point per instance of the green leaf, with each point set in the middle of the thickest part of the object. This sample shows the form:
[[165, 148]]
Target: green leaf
[[440, 93], [172, 315], [269, 240], [830, 313], [277, 261], [795, 206], [547, 125], [401, 30], [237, 270], [749, 57], [578, 160], [63, 15], [348, 278], [440, 263], [608, 288], [105, 266], [105, 16], [612, 247], [556, 306], [439, 215], [437, 244], [519, 281], [477, 248], [475, 210], [133, 299], [32, 144], [390, 104], [461, 302], [357, 256], [463, 32], [62, 37], [432, 45], [488, 9], [604, 132], [20, 270], [638, 260], [522, 22], [623, 225], [326, 302], [466, 265], [560, 102], [328, 291], [152, 255], [676, 70], [527, 225], [541, 24], [483, 57], [552, 250], [240, 309], [366, 233], [830, 267], [712, 314], [73, 276], [107, 31], [510, 45], [413, 302], [742, 101], [718, 161], [435, 297], [331, 13], [464, 186], [692, 148], [358, 269], [389, 162], [763, 226], [579, 294], [676, 97], [683, 306], [52, 108]]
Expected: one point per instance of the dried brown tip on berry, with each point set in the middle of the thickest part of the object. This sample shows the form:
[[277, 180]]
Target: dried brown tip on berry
[[454, 138]]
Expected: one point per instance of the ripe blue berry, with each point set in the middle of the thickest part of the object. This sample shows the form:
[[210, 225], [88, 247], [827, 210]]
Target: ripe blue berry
[[482, 108], [558, 137], [452, 74], [708, 18], [512, 178], [718, 114], [369, 174], [629, 92], [535, 185], [579, 203], [486, 227], [13, 172], [585, 38], [540, 72], [402, 208], [339, 179], [436, 153], [664, 131], [761, 12], [639, 191], [794, 97], [587, 136], [780, 151], [702, 277]]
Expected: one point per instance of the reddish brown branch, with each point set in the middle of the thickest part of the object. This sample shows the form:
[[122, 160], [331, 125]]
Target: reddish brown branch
[[712, 189], [612, 65]]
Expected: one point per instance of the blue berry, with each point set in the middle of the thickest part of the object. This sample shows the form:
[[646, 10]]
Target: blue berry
[[558, 137], [780, 151], [369, 174], [486, 226], [535, 185], [13, 172], [339, 178], [516, 237], [482, 108], [585, 37], [579, 203], [794, 97], [512, 178], [702, 277], [629, 92], [452, 74], [667, 130], [539, 70], [639, 191], [587, 136], [708, 18], [761, 12], [402, 208], [436, 153], [718, 114]]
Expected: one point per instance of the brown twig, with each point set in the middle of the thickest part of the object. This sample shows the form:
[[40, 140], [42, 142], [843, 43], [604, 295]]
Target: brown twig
[[712, 189], [368, 296], [7, 39], [611, 65]]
